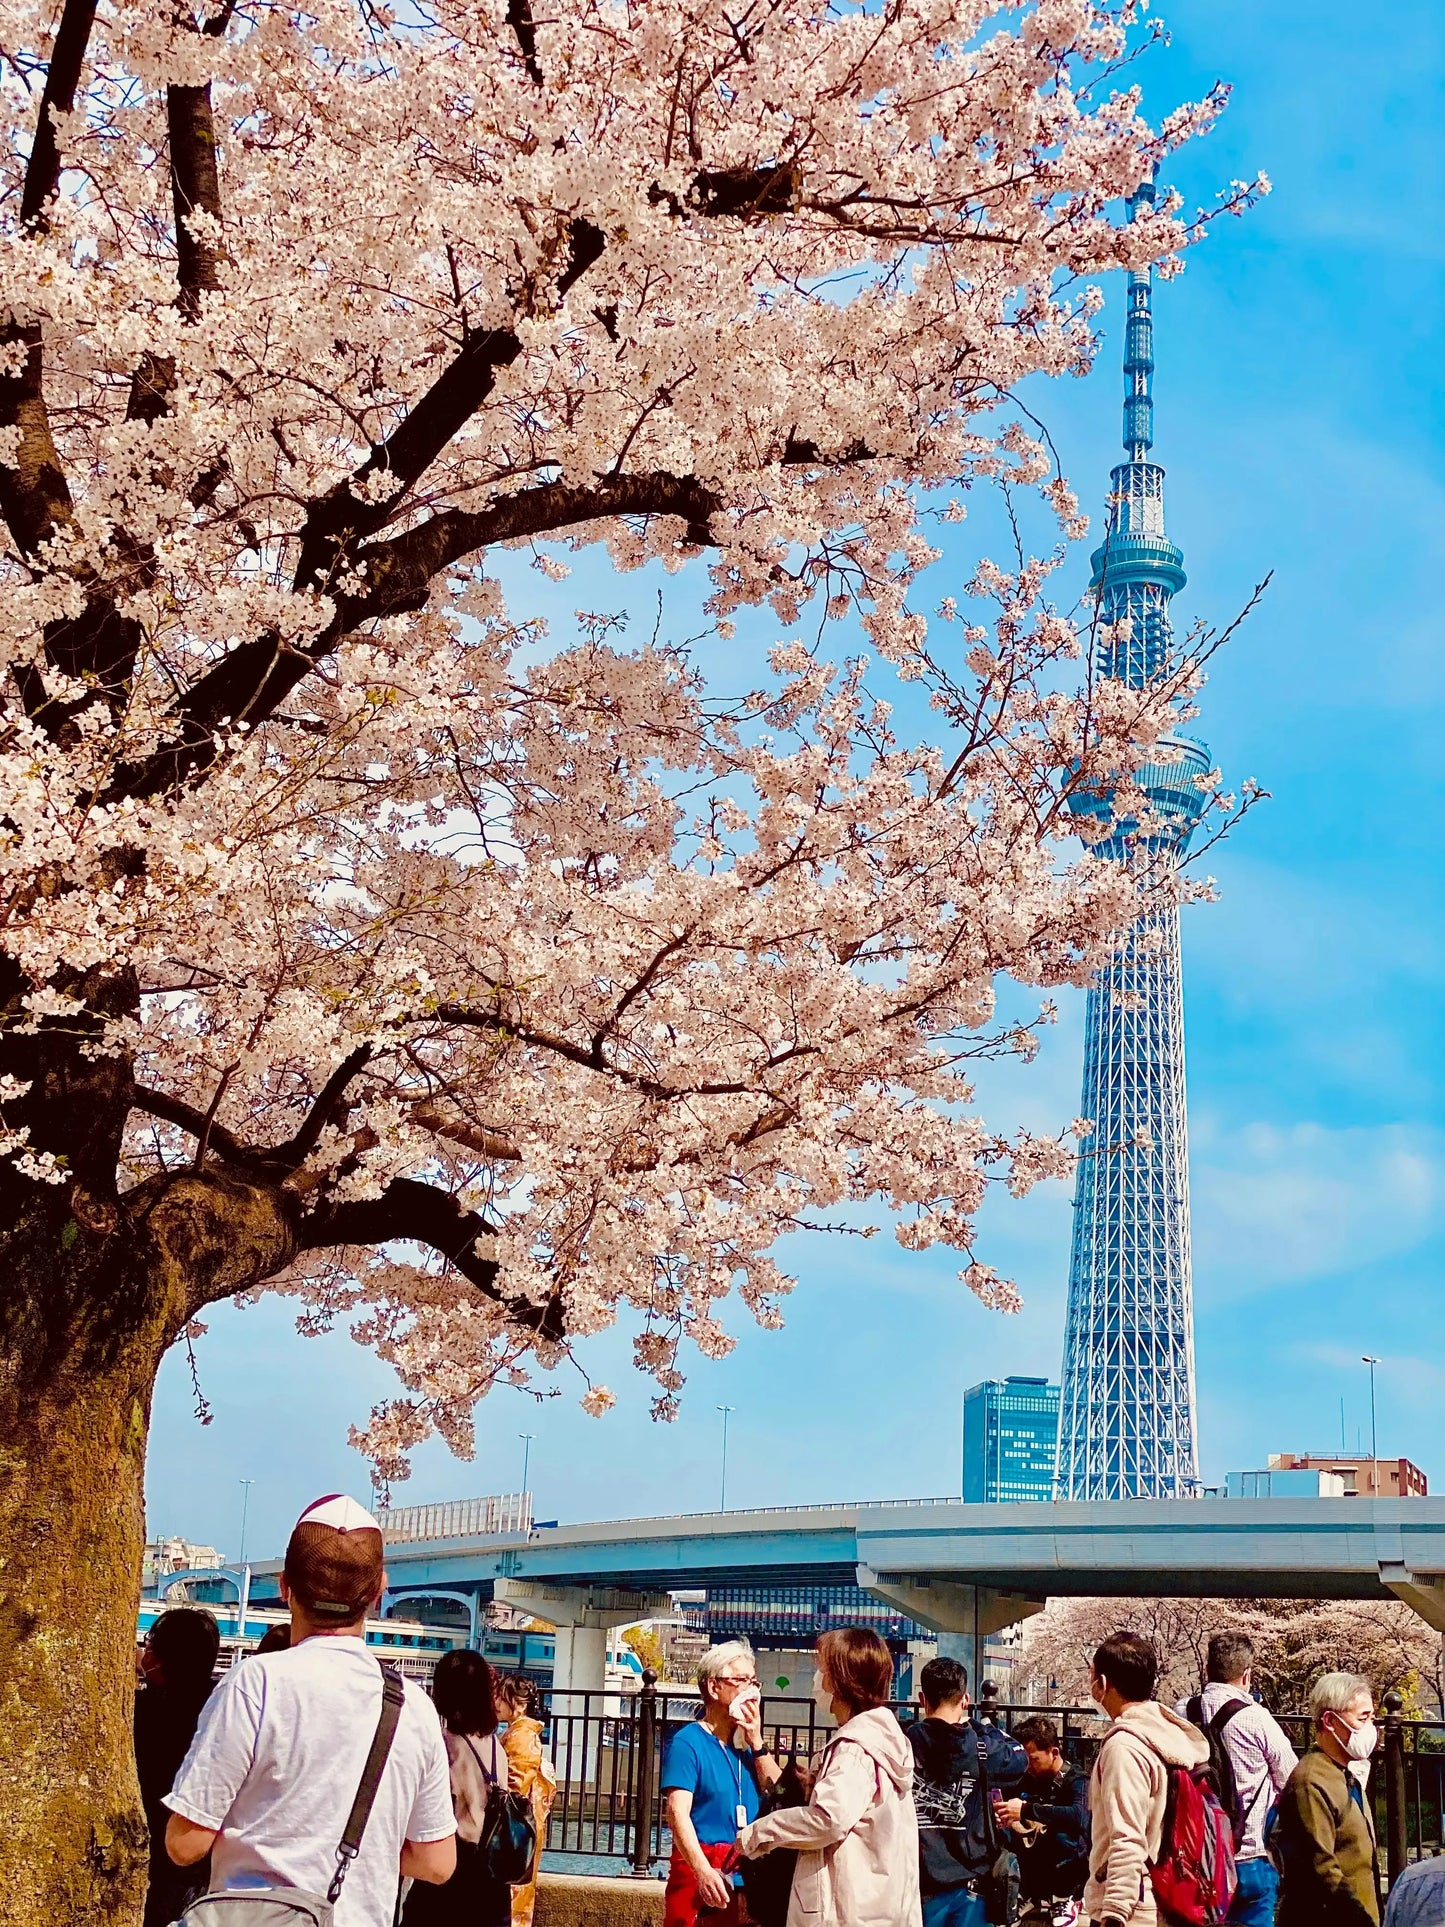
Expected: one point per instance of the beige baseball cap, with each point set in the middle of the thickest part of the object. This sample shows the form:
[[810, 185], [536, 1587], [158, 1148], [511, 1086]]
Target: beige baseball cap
[[334, 1558]]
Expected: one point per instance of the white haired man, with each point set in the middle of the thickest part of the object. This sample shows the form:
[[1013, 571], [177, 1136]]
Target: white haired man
[[712, 1776], [1325, 1835]]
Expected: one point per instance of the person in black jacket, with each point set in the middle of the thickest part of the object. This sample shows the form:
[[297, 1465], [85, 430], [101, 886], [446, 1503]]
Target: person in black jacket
[[175, 1664], [959, 1764], [1050, 1820]]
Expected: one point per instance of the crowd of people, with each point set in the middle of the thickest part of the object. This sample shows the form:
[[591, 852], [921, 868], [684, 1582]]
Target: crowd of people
[[312, 1771], [1198, 1812]]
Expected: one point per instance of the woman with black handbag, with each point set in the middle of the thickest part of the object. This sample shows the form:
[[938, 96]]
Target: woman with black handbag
[[479, 1893]]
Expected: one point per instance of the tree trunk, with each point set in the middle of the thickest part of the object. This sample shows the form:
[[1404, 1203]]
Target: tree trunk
[[91, 1293], [75, 1396]]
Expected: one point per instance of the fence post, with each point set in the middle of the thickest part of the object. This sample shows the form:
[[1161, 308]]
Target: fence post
[[644, 1738], [1396, 1839]]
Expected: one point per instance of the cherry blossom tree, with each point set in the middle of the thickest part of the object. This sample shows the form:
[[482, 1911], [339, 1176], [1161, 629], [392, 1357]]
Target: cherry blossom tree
[[1295, 1641], [359, 944]]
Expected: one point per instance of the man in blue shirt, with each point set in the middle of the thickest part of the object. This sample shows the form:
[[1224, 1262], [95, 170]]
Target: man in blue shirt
[[711, 1777], [1417, 1898]]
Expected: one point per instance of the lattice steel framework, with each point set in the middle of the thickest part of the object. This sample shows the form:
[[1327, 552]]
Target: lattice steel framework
[[1126, 1421]]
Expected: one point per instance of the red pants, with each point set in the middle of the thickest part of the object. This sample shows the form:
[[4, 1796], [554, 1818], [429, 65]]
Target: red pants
[[681, 1907]]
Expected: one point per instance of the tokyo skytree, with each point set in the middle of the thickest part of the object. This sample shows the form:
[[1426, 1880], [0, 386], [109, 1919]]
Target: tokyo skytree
[[1126, 1421]]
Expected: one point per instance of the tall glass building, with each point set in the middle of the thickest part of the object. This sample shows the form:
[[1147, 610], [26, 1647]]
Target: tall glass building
[[1010, 1439]]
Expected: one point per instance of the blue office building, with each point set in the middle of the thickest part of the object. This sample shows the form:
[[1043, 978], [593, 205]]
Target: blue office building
[[1010, 1439]]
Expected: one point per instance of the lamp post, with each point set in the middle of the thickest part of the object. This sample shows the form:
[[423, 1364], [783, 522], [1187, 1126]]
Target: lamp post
[[723, 1498], [245, 1485], [243, 1591], [526, 1438], [1367, 1359]]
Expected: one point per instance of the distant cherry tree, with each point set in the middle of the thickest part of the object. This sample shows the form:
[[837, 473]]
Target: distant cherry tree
[[1295, 1642], [358, 943]]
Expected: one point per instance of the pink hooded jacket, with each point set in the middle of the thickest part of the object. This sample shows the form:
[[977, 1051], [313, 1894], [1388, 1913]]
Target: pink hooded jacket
[[857, 1838]]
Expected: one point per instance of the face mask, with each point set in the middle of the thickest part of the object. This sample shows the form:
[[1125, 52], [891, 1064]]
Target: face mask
[[1359, 1741], [822, 1695]]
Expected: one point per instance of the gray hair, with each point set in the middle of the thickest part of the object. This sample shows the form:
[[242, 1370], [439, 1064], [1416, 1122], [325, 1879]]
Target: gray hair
[[717, 1658], [1333, 1692]]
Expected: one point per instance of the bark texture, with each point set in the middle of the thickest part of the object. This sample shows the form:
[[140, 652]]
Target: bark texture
[[92, 1290]]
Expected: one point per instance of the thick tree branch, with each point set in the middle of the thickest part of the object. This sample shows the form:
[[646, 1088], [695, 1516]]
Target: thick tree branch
[[336, 522], [250, 1158], [408, 1211], [519, 19], [495, 1146], [195, 188], [415, 1213], [62, 77], [399, 572], [255, 679], [329, 1108], [34, 498]]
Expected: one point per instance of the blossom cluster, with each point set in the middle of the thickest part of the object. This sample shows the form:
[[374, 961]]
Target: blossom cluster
[[323, 305]]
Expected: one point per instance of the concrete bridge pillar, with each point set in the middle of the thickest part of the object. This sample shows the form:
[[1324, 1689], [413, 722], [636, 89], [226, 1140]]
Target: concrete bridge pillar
[[583, 1617], [962, 1615]]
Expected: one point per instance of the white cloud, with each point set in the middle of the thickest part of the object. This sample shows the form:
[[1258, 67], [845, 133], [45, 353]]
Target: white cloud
[[1274, 1205]]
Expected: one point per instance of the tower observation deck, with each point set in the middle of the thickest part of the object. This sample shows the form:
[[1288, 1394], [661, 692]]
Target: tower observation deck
[[1126, 1420]]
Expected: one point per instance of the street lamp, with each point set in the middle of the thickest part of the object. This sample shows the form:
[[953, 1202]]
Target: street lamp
[[526, 1438], [245, 1485], [723, 1499], [1367, 1359]]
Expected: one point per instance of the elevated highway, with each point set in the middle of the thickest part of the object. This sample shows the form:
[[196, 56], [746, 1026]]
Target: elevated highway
[[965, 1570]]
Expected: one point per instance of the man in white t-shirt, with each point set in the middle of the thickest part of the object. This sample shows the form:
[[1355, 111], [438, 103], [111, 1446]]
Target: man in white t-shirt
[[268, 1784]]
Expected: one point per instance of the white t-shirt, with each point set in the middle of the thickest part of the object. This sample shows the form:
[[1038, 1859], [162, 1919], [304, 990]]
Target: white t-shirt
[[275, 1765]]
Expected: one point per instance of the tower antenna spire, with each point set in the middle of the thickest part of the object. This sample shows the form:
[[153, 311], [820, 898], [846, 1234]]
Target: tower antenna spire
[[1139, 346]]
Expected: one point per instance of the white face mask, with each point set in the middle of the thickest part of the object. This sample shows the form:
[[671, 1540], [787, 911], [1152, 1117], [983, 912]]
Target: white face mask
[[822, 1693], [1358, 1741]]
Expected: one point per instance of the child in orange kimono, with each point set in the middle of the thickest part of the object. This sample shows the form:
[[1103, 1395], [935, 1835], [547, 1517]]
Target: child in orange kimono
[[530, 1772]]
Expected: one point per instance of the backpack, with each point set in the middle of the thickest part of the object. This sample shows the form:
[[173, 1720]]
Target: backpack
[[1221, 1766], [508, 1843], [768, 1880], [294, 1906], [1193, 1877]]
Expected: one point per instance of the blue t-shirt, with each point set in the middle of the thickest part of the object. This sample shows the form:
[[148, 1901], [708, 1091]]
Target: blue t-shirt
[[719, 1778]]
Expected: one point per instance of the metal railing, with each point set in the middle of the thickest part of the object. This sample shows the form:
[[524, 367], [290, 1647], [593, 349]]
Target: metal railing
[[457, 1519], [609, 1747]]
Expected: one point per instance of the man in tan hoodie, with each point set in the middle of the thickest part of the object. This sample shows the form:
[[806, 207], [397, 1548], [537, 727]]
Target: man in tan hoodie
[[1130, 1781]]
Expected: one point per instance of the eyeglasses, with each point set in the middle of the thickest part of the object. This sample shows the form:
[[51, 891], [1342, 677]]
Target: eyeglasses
[[751, 1679]]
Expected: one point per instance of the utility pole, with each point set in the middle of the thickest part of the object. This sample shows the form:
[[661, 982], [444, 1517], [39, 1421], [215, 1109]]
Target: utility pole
[[526, 1438], [1367, 1359], [245, 1485], [723, 1499]]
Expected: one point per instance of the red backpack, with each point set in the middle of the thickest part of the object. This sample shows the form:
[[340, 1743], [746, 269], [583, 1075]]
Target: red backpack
[[1194, 1876]]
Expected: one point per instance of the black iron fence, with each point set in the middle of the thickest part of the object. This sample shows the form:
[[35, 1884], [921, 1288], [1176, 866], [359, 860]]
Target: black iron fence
[[609, 1747]]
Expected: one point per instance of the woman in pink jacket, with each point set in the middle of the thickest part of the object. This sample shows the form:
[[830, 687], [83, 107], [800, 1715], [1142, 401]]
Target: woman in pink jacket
[[857, 1838]]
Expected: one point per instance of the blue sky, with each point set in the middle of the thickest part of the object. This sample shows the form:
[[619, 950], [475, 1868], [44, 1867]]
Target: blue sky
[[1300, 419]]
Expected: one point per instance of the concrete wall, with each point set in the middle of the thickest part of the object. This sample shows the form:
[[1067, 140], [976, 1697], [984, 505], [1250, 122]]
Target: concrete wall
[[597, 1900]]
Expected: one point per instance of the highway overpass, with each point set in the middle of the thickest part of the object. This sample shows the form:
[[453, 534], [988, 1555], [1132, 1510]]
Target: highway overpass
[[965, 1570]]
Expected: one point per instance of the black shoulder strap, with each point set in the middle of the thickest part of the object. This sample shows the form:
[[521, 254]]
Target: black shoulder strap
[[491, 1775], [1194, 1709], [1225, 1714], [392, 1694]]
